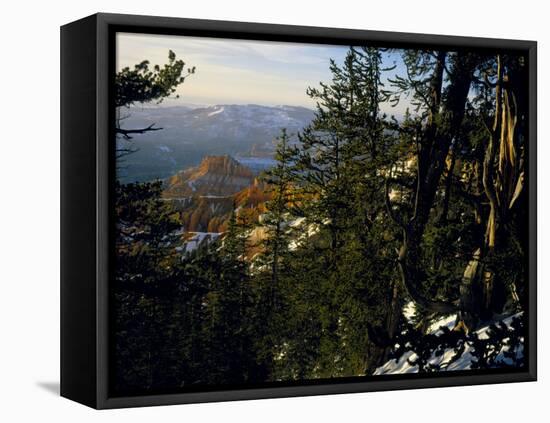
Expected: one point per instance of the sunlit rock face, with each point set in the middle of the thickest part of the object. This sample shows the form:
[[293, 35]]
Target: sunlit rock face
[[215, 176]]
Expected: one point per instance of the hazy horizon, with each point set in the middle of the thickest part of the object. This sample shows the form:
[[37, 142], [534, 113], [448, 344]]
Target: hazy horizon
[[230, 71]]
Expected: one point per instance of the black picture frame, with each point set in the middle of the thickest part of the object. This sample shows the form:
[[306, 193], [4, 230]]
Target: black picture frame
[[87, 66]]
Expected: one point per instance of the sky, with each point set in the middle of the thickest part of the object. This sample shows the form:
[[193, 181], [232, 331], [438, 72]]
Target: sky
[[232, 71]]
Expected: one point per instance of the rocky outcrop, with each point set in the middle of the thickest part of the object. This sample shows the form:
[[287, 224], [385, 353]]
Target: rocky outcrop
[[215, 176], [212, 213]]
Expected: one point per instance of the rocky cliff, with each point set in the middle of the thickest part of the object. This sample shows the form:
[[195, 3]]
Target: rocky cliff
[[215, 176]]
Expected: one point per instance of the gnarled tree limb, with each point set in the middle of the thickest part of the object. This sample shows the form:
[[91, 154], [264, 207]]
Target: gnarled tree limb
[[413, 278], [444, 120], [126, 132]]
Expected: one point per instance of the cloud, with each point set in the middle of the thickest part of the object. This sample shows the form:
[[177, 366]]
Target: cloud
[[238, 71]]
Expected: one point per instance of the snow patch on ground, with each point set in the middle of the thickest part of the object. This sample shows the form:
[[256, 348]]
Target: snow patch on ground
[[403, 366], [307, 232], [409, 310], [197, 239], [448, 322]]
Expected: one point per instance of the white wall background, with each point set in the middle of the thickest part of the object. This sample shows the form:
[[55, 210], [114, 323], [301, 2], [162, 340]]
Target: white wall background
[[29, 210]]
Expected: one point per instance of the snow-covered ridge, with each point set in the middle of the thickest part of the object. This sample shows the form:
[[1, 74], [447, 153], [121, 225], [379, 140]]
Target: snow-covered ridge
[[252, 116], [217, 110], [224, 120], [245, 130]]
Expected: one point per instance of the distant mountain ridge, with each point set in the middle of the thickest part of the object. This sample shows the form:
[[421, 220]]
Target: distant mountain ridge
[[188, 134]]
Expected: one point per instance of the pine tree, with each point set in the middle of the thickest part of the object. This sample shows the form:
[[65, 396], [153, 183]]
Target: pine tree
[[279, 211], [145, 265], [342, 200]]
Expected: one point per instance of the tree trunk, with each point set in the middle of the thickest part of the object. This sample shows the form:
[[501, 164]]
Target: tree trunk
[[442, 129], [483, 291]]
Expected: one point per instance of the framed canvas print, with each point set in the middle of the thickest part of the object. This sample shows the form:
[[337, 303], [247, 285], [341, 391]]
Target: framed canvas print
[[254, 211]]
